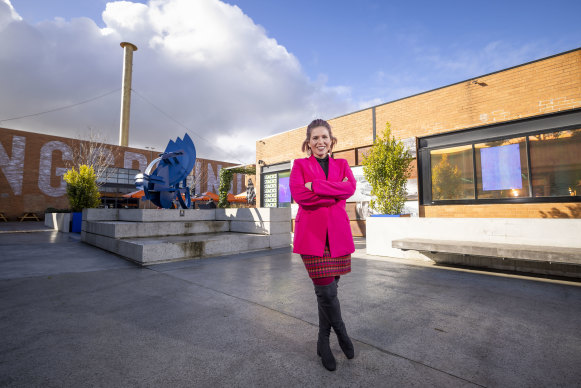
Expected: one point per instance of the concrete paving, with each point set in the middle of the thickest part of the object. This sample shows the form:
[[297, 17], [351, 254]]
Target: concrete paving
[[74, 315]]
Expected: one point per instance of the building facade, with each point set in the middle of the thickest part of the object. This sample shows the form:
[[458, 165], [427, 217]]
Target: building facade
[[32, 166], [505, 144]]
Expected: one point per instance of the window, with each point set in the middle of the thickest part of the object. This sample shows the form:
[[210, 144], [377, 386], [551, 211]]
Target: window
[[275, 188], [556, 163], [527, 160], [452, 173], [501, 169]]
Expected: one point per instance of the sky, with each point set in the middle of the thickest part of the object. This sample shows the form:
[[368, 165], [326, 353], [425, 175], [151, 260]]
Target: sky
[[231, 72]]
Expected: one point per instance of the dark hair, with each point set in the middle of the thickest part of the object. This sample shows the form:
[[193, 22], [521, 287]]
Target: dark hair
[[314, 124]]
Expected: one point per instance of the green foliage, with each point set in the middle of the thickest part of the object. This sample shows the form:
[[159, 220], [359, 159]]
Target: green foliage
[[446, 180], [387, 167], [82, 188], [226, 180], [55, 210]]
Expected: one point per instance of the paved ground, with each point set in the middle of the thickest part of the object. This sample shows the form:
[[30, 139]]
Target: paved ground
[[73, 315]]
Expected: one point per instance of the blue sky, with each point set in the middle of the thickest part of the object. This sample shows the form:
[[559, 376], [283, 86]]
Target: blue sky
[[408, 47], [346, 55]]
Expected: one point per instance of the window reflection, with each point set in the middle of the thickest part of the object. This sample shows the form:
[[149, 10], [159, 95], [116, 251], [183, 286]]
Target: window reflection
[[501, 169], [556, 163], [452, 173]]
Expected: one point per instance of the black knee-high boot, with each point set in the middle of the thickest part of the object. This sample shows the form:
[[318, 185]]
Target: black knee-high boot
[[323, 348], [331, 309]]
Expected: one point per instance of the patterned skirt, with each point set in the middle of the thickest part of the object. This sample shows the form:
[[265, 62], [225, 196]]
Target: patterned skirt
[[320, 267]]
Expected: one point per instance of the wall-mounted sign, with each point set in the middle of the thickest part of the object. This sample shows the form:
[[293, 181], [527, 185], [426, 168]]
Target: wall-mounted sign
[[270, 190]]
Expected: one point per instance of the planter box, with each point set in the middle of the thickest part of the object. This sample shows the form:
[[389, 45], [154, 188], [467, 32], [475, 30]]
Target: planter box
[[58, 221], [77, 221]]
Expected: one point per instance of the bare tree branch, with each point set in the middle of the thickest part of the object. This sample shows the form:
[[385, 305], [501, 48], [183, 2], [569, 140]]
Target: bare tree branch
[[94, 150]]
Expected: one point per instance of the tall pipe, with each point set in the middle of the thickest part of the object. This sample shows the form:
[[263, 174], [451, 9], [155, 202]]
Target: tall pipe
[[128, 49]]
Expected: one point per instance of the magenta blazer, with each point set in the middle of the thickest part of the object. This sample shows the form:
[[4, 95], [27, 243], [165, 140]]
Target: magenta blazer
[[322, 210]]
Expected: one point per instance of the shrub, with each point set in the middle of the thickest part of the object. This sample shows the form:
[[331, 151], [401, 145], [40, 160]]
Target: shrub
[[82, 188], [387, 167]]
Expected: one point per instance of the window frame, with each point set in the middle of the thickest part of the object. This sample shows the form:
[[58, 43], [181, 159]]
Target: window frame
[[553, 122]]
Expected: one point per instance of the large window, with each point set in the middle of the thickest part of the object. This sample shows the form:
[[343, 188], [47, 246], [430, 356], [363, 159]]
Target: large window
[[556, 163], [452, 173], [529, 160]]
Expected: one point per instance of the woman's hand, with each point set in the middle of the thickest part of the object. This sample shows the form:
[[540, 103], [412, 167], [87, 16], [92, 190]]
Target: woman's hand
[[309, 185], [345, 179]]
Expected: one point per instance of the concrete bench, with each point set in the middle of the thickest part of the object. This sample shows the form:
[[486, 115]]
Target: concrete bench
[[531, 245], [533, 253]]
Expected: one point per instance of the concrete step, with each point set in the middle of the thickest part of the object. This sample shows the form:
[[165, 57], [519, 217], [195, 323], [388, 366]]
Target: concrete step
[[125, 229], [155, 250], [174, 215]]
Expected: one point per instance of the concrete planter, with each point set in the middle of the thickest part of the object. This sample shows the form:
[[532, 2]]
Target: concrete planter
[[58, 221]]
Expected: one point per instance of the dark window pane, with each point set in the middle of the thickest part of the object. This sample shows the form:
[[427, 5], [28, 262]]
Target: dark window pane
[[556, 163], [501, 169], [452, 173]]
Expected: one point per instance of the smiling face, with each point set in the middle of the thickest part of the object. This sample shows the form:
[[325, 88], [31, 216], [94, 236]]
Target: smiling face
[[320, 142]]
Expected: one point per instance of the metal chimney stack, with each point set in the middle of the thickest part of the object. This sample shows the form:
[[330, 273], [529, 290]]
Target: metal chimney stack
[[128, 49]]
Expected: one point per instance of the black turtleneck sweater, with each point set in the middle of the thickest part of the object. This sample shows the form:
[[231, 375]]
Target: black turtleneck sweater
[[324, 165]]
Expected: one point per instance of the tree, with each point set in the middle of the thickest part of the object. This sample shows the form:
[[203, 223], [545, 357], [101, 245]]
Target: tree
[[94, 151], [387, 167], [82, 188]]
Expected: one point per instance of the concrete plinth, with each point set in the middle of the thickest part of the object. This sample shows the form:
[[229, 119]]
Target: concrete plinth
[[152, 236]]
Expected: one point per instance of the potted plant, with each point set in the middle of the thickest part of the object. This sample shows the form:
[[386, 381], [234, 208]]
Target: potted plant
[[82, 191], [386, 167]]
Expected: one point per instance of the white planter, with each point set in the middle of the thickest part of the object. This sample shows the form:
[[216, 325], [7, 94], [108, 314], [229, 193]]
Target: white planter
[[58, 221]]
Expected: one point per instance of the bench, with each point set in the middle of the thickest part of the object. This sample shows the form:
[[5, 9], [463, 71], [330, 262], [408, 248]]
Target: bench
[[29, 216], [531, 253], [531, 245]]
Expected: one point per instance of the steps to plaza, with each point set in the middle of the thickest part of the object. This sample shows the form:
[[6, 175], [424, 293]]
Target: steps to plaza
[[152, 236]]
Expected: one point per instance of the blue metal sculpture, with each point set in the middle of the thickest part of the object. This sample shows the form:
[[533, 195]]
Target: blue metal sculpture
[[167, 183]]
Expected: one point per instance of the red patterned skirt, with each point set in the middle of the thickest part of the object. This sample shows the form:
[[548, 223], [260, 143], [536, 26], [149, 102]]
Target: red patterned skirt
[[320, 267]]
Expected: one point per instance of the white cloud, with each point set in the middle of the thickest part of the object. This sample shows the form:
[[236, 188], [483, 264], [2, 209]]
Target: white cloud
[[203, 62]]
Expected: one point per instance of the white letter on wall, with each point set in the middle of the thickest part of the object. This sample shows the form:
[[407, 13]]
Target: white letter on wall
[[45, 168], [13, 168], [214, 179], [131, 156], [198, 178]]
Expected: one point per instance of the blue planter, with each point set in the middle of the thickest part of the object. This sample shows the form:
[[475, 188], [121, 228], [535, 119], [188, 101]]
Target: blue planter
[[384, 215], [76, 222]]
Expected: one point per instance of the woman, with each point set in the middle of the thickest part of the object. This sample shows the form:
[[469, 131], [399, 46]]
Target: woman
[[320, 185]]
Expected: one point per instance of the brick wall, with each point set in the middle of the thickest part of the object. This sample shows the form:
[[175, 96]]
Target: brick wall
[[549, 85], [517, 210], [541, 87], [32, 165]]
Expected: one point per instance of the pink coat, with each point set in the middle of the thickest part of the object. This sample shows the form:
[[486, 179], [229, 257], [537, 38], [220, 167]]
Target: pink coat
[[322, 210]]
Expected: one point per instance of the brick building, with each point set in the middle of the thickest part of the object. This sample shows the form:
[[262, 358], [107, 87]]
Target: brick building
[[512, 140], [32, 167]]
